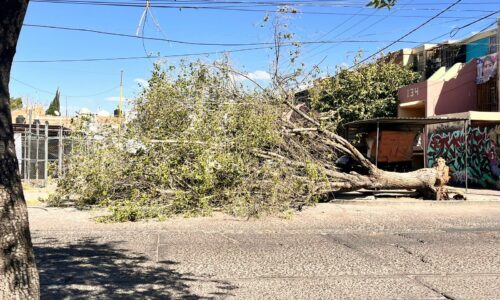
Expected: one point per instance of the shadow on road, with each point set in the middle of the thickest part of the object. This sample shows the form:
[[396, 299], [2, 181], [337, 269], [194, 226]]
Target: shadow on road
[[88, 269], [368, 195]]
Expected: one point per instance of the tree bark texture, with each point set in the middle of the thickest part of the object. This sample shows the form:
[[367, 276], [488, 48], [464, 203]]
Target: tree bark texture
[[18, 273], [423, 179]]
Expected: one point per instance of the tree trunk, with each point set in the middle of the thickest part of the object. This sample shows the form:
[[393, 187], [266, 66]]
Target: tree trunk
[[423, 180], [420, 180], [18, 273]]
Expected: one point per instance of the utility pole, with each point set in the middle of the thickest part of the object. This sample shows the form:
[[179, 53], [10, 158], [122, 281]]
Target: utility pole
[[121, 93]]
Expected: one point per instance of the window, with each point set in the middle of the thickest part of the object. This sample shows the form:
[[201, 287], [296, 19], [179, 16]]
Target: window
[[493, 44]]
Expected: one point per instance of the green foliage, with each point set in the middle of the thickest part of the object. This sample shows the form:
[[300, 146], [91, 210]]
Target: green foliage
[[55, 106], [369, 91], [190, 149], [16, 103], [382, 3]]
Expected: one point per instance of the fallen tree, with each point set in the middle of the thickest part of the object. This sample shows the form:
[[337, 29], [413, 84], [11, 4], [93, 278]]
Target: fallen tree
[[201, 141], [423, 180]]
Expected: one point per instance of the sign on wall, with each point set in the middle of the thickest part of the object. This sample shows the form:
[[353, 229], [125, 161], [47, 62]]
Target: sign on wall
[[413, 92], [486, 67]]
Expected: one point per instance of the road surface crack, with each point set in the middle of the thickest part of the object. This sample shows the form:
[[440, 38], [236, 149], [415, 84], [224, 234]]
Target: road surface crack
[[446, 296], [421, 257], [421, 241]]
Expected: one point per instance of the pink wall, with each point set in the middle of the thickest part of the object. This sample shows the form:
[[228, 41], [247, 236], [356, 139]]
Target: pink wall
[[445, 97], [435, 88], [456, 95]]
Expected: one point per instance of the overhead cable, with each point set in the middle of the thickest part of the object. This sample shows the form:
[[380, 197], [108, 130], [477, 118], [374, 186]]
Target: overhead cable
[[250, 8], [199, 43], [407, 34]]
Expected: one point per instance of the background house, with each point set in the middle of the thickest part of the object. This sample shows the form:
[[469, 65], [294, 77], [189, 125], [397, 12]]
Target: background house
[[464, 85]]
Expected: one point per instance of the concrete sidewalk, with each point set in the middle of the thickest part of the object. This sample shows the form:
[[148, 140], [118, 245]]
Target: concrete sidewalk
[[479, 194], [356, 250]]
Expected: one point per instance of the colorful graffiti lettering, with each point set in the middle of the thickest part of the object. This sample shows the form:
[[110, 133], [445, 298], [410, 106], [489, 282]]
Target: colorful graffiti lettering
[[482, 164]]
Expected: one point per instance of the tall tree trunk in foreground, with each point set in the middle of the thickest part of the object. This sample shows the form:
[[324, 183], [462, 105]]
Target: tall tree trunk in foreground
[[18, 273]]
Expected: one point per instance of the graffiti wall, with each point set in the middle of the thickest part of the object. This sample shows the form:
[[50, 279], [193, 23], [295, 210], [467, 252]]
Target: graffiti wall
[[483, 149]]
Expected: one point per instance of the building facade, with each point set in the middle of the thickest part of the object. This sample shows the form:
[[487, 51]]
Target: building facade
[[459, 80]]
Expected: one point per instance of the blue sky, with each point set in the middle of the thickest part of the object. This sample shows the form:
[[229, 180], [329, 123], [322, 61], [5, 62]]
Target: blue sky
[[95, 84]]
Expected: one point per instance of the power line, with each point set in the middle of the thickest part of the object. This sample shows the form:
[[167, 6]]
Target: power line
[[340, 34], [33, 87], [140, 57], [407, 34], [456, 30], [142, 37], [441, 36], [178, 5], [204, 53], [462, 27], [242, 3], [391, 14], [69, 96], [267, 44], [487, 27], [356, 34]]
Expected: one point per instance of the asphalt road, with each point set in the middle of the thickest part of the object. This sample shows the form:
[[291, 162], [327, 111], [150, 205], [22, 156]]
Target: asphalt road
[[395, 249]]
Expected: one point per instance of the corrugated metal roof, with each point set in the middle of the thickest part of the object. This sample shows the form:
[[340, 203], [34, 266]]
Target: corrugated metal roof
[[405, 121]]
